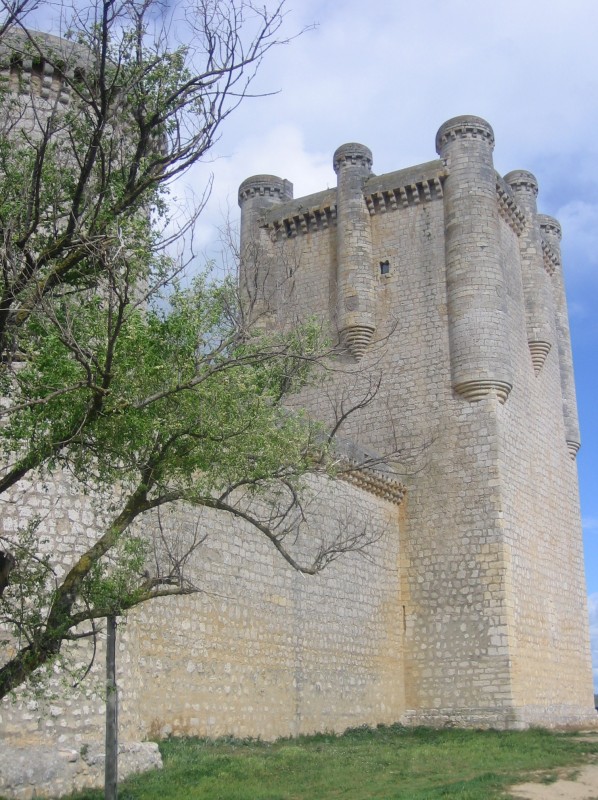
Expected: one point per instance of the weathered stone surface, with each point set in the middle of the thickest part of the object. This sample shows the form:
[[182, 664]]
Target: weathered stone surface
[[48, 770]]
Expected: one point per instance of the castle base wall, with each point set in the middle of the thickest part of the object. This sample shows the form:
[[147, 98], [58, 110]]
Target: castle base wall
[[260, 651], [264, 651], [520, 718]]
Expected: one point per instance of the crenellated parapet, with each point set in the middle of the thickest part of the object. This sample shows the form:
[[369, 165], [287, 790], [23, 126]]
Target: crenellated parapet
[[404, 188], [476, 290], [394, 191], [353, 154], [266, 187], [465, 127], [524, 184], [537, 290], [41, 66], [309, 214], [551, 231], [551, 228]]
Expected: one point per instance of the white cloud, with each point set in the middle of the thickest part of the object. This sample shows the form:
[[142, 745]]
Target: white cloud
[[278, 150]]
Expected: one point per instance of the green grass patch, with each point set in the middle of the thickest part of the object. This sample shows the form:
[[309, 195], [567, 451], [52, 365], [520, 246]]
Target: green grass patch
[[388, 763]]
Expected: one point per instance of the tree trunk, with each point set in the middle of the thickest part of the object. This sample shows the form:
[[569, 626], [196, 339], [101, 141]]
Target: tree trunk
[[111, 766]]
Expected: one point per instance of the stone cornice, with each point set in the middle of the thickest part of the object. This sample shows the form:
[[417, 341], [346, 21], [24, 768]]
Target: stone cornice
[[551, 258], [372, 481], [368, 470]]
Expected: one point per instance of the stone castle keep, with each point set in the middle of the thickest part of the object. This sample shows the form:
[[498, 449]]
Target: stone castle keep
[[445, 286], [445, 280]]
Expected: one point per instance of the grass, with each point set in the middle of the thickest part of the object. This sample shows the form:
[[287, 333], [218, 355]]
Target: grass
[[388, 763]]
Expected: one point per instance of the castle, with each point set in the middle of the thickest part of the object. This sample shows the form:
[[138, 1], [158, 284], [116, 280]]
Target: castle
[[445, 286], [446, 280]]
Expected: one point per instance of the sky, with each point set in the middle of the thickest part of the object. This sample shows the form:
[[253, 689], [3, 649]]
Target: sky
[[388, 74]]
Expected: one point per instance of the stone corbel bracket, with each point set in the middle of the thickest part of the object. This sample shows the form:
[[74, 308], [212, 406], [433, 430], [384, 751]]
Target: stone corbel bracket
[[372, 481]]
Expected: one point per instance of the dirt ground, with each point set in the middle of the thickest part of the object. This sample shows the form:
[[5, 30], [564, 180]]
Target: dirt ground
[[579, 783], [584, 787]]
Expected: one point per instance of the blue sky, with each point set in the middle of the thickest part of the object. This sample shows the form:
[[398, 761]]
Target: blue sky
[[388, 74]]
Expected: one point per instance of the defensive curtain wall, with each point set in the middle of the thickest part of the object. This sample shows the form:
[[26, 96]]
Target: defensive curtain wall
[[446, 288]]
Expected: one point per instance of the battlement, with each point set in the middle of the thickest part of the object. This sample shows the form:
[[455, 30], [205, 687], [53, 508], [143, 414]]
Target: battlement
[[304, 215], [522, 180], [38, 64], [551, 226], [390, 192], [266, 186], [353, 154], [464, 127]]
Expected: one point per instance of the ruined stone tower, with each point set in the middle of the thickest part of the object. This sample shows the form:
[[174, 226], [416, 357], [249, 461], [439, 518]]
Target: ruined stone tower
[[443, 280]]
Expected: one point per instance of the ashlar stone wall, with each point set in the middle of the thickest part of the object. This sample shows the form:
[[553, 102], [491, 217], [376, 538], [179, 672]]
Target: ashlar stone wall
[[265, 651], [261, 650]]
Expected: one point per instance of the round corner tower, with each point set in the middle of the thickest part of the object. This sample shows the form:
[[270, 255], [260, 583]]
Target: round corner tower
[[355, 284], [35, 67], [536, 282], [480, 359], [257, 195], [551, 231]]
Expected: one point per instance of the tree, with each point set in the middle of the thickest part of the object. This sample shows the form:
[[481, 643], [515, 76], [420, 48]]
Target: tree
[[144, 392], [84, 179]]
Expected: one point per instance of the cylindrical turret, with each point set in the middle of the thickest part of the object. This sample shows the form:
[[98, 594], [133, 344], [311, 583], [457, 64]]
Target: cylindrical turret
[[257, 278], [355, 279], [539, 310], [256, 195], [551, 231], [480, 358]]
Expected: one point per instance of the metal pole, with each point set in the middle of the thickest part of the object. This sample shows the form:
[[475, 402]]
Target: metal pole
[[111, 765]]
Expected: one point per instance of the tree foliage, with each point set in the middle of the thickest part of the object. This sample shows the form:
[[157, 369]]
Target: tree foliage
[[140, 391]]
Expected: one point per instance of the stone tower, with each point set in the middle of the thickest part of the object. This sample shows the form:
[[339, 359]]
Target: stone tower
[[444, 284]]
